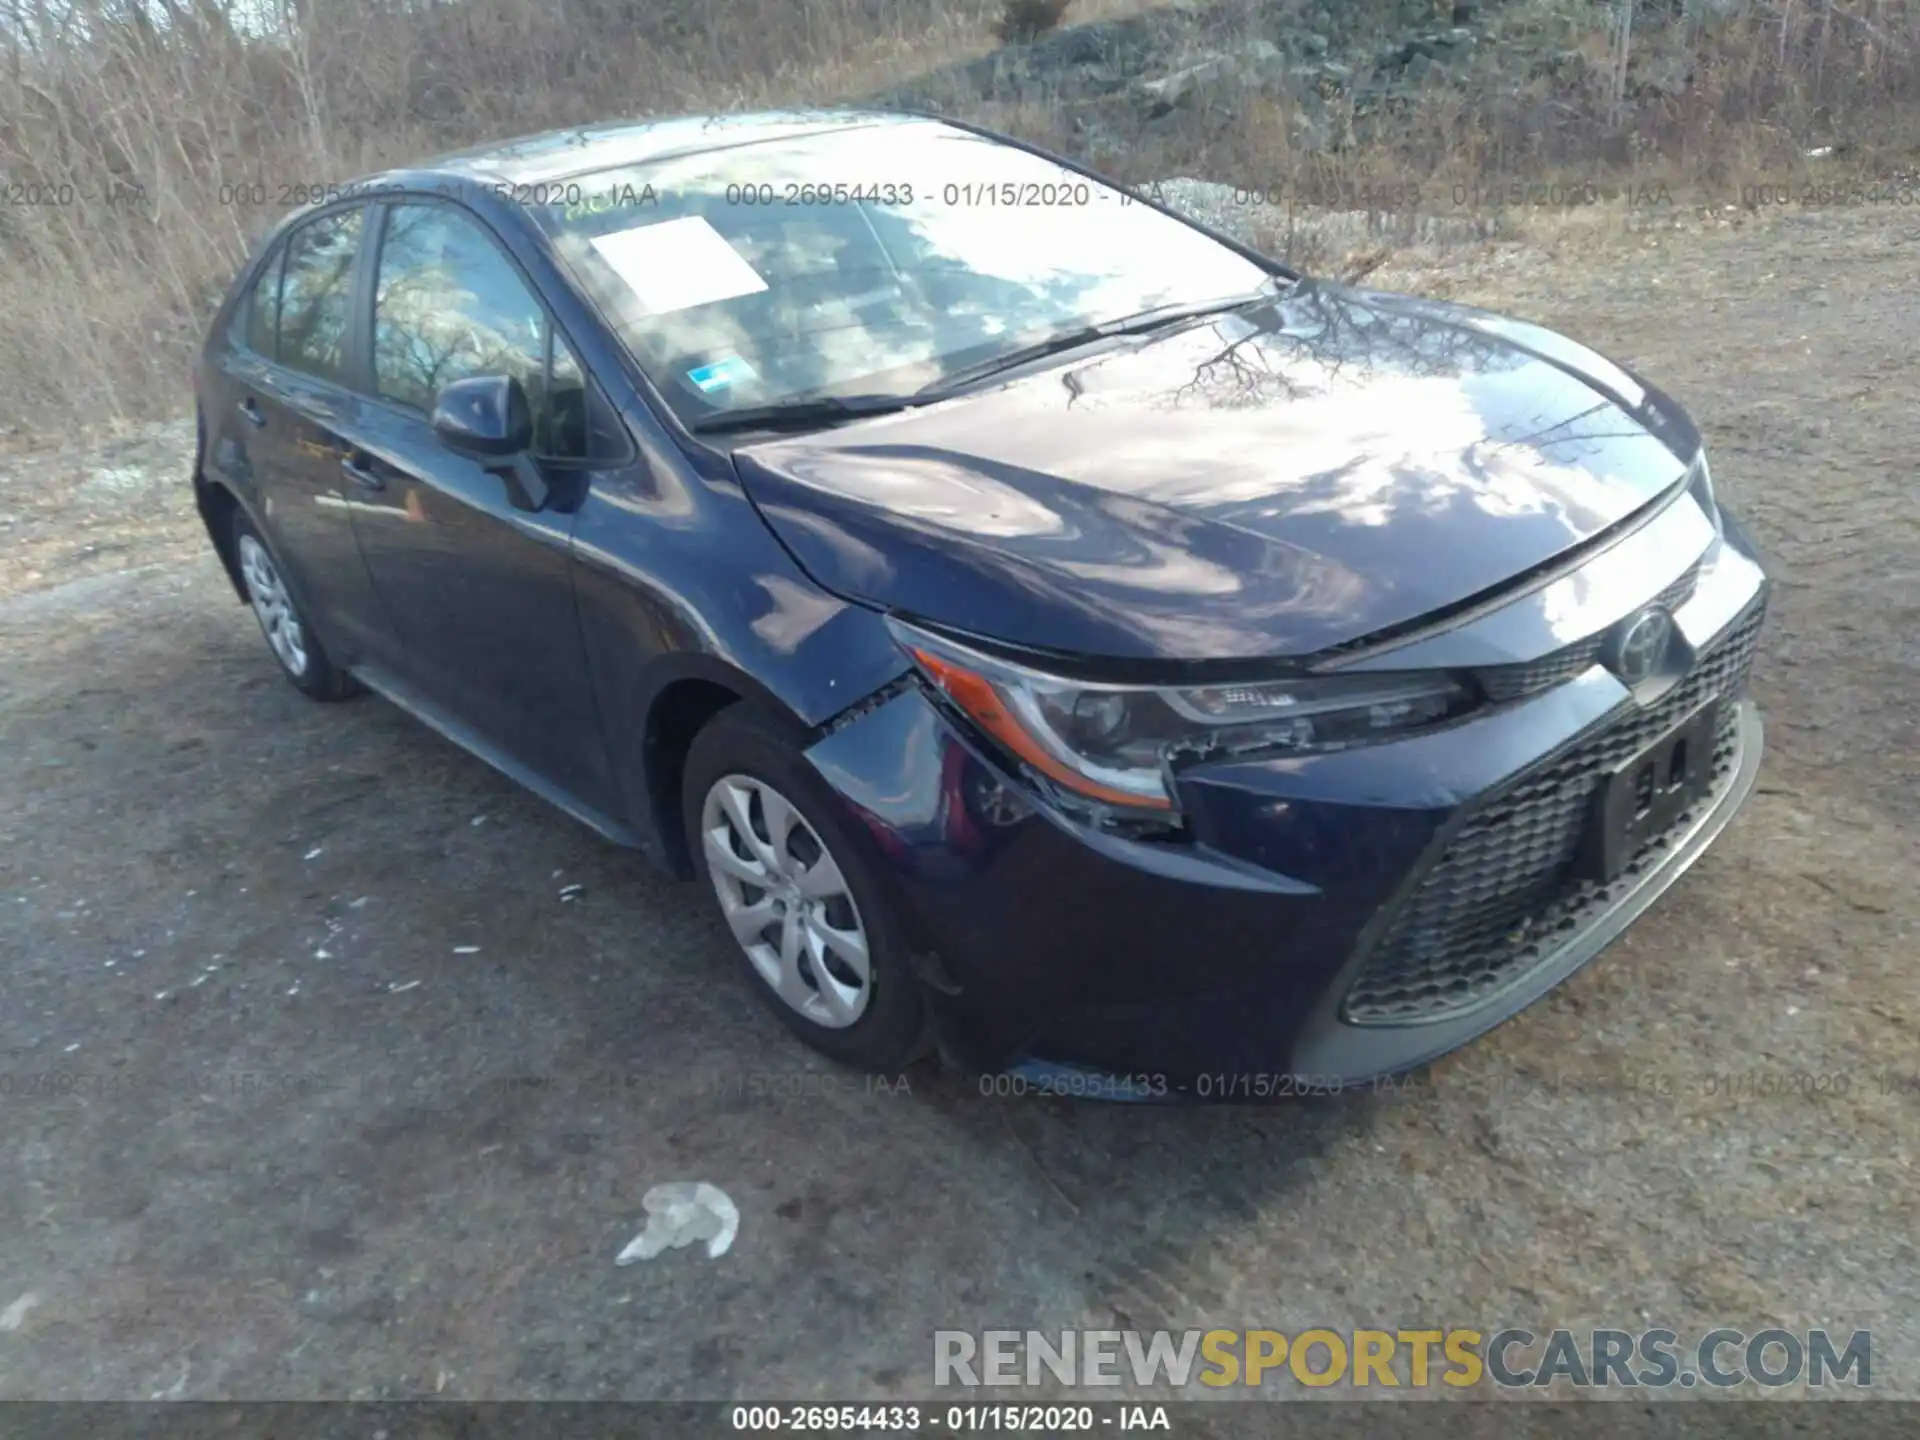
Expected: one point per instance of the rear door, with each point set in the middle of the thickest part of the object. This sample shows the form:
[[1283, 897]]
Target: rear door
[[284, 408], [481, 591]]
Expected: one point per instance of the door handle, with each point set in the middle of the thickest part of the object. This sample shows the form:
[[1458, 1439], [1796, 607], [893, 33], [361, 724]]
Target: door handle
[[359, 472], [251, 412]]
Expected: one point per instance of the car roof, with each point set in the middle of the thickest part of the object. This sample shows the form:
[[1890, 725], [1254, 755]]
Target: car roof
[[556, 154]]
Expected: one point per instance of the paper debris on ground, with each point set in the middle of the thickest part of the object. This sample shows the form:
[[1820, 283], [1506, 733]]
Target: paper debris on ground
[[679, 1214]]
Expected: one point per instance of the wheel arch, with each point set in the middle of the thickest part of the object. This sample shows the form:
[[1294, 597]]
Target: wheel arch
[[218, 504], [688, 693]]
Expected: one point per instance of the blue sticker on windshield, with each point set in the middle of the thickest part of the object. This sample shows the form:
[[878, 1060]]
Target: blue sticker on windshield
[[721, 373]]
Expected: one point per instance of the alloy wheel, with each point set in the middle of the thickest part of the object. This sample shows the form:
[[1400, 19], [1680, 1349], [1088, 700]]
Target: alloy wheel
[[785, 899], [267, 593]]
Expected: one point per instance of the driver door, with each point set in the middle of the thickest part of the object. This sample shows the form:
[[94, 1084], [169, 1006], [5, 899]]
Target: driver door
[[480, 591]]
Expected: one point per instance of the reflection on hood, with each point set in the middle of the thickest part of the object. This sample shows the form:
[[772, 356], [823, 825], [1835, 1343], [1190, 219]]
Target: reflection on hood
[[1280, 481]]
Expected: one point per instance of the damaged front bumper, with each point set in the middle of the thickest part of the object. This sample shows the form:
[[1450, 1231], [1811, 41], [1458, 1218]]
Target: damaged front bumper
[[1228, 963]]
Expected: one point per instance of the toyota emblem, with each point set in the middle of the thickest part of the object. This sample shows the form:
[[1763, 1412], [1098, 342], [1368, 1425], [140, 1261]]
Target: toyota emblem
[[1642, 644]]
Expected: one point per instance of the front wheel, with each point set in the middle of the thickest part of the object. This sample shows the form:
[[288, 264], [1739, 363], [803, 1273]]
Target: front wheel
[[807, 913]]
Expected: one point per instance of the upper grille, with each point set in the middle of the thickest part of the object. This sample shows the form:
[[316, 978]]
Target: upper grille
[[1509, 682], [1502, 895]]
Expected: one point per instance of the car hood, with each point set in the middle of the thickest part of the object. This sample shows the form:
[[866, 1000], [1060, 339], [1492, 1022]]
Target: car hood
[[1295, 476]]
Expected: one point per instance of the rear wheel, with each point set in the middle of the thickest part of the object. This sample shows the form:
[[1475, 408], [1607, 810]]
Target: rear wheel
[[807, 912], [303, 660]]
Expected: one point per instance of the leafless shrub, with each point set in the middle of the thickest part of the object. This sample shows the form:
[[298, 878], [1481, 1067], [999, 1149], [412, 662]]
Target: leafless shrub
[[144, 144], [1024, 21]]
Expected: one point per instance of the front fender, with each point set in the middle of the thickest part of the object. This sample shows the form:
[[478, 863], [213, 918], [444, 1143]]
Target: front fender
[[678, 582]]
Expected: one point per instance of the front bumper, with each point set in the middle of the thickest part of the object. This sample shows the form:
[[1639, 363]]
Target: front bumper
[[1333, 917]]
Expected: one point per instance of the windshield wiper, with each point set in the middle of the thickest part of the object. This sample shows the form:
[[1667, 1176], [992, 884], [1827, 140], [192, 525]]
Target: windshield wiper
[[823, 410], [1159, 317], [818, 411]]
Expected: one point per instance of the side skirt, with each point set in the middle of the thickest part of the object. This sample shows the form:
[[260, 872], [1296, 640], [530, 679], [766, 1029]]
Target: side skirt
[[400, 694]]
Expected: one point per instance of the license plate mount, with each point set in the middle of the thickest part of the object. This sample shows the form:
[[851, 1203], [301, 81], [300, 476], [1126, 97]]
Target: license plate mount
[[1648, 793]]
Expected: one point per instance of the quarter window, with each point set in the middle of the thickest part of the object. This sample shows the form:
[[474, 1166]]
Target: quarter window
[[316, 296], [263, 309]]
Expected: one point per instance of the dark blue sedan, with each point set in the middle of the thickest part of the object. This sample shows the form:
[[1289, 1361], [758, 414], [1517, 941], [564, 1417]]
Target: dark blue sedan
[[1051, 631]]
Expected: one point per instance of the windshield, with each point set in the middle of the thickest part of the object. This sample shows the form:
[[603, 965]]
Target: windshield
[[873, 260]]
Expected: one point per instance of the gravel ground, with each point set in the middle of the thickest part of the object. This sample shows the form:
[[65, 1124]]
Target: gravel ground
[[357, 1104]]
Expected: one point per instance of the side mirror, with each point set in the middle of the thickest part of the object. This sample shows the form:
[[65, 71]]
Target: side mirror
[[486, 415]]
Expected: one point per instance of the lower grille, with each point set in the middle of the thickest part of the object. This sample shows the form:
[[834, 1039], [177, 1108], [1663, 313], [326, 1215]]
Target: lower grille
[[1503, 896]]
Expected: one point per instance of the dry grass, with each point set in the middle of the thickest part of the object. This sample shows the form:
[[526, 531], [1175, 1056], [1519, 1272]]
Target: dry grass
[[145, 143]]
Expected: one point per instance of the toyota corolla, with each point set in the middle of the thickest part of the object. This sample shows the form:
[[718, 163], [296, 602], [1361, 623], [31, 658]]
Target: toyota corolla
[[1046, 629]]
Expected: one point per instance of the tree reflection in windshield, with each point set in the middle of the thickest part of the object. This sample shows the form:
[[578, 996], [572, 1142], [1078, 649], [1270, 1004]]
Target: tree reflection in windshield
[[893, 252]]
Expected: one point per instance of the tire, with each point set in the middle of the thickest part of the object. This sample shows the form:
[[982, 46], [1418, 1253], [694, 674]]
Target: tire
[[301, 656], [742, 760]]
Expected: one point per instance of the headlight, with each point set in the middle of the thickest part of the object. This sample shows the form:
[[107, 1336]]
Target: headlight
[[1700, 486], [1116, 743]]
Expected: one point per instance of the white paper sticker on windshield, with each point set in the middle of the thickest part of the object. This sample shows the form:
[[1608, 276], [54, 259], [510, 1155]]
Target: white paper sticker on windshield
[[678, 264]]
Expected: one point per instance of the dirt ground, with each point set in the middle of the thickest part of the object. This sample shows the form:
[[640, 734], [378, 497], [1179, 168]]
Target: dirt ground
[[315, 1086]]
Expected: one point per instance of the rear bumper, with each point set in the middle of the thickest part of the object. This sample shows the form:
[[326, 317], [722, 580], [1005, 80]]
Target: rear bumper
[[1229, 965]]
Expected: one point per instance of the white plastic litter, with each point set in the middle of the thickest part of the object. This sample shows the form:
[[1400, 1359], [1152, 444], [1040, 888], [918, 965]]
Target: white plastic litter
[[679, 1214], [15, 1315]]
